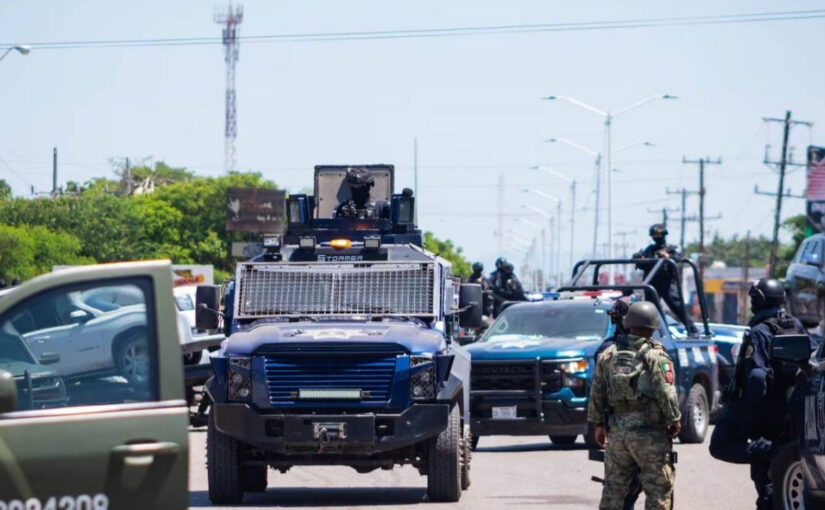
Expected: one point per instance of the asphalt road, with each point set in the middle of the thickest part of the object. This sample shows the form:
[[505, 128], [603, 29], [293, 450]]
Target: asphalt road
[[507, 472]]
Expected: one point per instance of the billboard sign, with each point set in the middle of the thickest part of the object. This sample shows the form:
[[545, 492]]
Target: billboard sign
[[255, 210], [815, 194]]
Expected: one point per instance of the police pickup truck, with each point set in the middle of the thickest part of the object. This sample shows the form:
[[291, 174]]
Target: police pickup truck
[[341, 347], [532, 369]]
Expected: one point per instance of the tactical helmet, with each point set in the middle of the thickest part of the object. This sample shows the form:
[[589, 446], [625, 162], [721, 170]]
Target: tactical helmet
[[359, 177], [642, 315], [657, 229], [619, 311], [507, 267], [501, 262], [478, 267], [766, 292]]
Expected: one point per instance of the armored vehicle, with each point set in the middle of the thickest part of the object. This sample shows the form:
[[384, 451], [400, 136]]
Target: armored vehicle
[[340, 346], [532, 369]]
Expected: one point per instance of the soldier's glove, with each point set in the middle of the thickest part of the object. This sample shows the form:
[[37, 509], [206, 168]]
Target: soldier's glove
[[674, 429]]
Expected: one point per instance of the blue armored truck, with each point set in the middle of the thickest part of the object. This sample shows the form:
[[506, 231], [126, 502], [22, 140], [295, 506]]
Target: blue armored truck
[[532, 369], [340, 346]]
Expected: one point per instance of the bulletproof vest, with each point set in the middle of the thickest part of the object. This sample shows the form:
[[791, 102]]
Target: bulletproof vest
[[629, 380]]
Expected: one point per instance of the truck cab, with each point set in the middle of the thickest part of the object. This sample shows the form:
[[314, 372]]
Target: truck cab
[[340, 348], [533, 368]]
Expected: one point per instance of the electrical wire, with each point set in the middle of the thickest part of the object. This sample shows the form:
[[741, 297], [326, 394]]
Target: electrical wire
[[445, 32]]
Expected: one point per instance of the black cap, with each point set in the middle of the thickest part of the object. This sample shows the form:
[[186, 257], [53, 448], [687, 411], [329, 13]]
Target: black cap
[[766, 292], [501, 261], [657, 229], [359, 177]]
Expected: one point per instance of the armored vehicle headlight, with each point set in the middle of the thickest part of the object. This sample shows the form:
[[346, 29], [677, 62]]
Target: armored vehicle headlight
[[372, 243], [422, 378], [272, 241], [307, 243], [239, 379], [340, 244]]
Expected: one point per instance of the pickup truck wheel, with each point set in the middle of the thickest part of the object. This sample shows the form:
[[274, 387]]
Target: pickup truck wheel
[[132, 357], [254, 478], [697, 414], [444, 462], [223, 466], [563, 440], [474, 442], [788, 482]]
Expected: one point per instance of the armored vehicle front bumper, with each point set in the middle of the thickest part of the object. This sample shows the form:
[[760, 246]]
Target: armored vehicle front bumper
[[329, 433], [527, 397]]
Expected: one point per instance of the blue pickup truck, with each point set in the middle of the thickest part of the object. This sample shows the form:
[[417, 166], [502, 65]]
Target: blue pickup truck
[[532, 369]]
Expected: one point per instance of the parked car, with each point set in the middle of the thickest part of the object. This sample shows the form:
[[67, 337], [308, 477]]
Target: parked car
[[193, 342], [805, 281]]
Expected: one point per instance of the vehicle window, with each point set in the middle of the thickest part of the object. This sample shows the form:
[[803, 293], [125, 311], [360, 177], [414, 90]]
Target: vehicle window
[[549, 322], [800, 253], [815, 255], [184, 302], [77, 346]]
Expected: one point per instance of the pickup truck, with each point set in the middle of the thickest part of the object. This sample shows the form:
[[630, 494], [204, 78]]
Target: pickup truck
[[532, 369]]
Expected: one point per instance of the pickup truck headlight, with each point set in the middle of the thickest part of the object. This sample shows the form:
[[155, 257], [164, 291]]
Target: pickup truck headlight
[[422, 378], [573, 373], [239, 379]]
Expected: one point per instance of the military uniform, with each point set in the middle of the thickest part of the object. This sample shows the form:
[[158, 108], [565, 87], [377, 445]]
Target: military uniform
[[633, 394]]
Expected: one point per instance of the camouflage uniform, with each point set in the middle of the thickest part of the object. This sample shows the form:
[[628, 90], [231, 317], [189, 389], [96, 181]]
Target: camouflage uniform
[[634, 381]]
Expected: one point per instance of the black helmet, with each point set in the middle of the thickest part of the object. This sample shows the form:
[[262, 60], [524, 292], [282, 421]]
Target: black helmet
[[501, 262], [642, 314], [507, 267], [618, 312], [359, 177], [658, 230], [766, 292], [478, 267]]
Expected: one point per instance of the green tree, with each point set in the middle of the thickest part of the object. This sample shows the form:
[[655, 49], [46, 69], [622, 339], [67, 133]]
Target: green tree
[[5, 190], [447, 250], [27, 251]]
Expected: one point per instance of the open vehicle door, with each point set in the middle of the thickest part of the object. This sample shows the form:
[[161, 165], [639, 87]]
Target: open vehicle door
[[112, 439]]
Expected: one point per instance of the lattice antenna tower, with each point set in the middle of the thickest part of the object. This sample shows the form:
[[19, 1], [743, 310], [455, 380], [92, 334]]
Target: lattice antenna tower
[[230, 17]]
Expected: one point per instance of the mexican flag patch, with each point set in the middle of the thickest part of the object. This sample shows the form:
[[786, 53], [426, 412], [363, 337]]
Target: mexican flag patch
[[667, 369]]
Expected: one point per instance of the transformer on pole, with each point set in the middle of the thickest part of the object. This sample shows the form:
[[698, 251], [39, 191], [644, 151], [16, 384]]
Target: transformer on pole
[[230, 17]]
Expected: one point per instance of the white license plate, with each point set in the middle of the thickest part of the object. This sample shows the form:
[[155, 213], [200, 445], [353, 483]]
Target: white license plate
[[504, 413]]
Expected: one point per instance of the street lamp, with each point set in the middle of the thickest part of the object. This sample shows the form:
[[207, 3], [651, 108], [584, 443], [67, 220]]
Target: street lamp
[[554, 228], [608, 117], [23, 49]]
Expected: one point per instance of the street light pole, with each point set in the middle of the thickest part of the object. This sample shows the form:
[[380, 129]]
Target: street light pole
[[23, 49]]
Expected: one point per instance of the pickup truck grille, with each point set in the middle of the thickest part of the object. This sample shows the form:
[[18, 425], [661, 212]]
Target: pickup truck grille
[[371, 373], [504, 376]]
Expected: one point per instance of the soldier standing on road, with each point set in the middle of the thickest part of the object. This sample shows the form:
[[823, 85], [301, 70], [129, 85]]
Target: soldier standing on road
[[359, 205], [753, 419], [665, 282], [634, 408]]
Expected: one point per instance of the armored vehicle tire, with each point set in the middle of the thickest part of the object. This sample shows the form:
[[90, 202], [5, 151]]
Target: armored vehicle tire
[[563, 440], [444, 462], [223, 466], [254, 478], [474, 442], [788, 481], [697, 414]]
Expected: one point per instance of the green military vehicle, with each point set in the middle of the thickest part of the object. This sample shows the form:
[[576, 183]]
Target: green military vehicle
[[80, 435]]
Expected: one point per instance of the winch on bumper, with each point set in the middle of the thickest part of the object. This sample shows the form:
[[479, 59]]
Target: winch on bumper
[[359, 433], [529, 397]]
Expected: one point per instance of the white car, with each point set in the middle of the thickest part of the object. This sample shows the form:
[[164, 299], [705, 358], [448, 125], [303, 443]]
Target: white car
[[192, 341]]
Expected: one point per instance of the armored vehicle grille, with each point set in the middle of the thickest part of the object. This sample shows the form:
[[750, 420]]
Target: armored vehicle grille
[[329, 289], [370, 373]]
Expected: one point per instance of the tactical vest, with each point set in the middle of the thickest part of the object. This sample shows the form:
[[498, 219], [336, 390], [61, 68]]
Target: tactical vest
[[630, 387]]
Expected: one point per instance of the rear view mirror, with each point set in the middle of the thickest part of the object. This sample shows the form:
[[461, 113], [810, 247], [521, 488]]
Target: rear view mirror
[[208, 300], [8, 392], [469, 300], [79, 316], [792, 348], [49, 358]]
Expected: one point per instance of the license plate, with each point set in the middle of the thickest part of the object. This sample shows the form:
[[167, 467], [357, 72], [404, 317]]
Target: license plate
[[504, 413]]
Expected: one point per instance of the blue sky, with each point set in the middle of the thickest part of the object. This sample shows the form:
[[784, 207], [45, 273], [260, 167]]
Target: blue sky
[[473, 102]]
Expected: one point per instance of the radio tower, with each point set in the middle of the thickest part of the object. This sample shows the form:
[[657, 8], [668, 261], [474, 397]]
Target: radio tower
[[230, 18]]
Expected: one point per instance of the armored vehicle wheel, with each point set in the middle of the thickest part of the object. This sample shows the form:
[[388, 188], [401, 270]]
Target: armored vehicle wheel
[[466, 457], [563, 440], [697, 413], [254, 478], [444, 462], [788, 482], [223, 466], [474, 442]]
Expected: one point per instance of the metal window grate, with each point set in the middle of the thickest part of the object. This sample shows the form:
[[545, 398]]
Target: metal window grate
[[279, 289]]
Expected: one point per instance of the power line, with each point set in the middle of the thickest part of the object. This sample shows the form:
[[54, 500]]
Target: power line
[[446, 31]]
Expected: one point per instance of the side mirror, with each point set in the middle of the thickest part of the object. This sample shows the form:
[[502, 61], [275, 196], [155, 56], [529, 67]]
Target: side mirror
[[49, 358], [79, 316], [792, 348], [8, 392], [207, 299], [469, 300]]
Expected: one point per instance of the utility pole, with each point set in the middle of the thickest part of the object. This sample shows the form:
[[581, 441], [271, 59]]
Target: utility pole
[[664, 211], [623, 234], [683, 214], [572, 219], [783, 163], [230, 19], [54, 172], [415, 176], [702, 162], [743, 294]]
